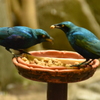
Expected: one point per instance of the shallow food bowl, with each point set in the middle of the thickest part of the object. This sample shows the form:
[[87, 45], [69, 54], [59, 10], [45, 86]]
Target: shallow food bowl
[[55, 74]]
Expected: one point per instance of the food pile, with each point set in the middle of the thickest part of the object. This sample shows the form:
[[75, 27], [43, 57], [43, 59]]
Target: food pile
[[48, 62]]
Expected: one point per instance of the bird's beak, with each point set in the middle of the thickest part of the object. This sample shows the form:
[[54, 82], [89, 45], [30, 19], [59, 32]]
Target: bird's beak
[[55, 26], [49, 39]]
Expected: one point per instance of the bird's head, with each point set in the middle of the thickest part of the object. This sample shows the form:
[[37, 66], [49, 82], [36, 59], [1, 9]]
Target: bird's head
[[43, 36], [65, 26]]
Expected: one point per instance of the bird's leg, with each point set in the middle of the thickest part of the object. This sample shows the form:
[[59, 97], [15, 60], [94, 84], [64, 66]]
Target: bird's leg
[[77, 65], [22, 51], [17, 53], [14, 55], [9, 50], [87, 62]]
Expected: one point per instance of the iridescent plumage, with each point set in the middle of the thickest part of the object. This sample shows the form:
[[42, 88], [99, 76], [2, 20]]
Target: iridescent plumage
[[82, 40], [21, 37]]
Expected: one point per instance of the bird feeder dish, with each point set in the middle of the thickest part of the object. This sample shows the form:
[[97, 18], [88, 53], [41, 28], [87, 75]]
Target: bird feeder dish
[[57, 74]]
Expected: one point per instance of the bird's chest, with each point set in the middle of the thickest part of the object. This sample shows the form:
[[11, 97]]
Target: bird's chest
[[71, 39]]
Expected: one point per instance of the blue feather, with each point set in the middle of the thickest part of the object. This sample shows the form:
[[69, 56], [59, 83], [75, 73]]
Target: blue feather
[[82, 40], [21, 37]]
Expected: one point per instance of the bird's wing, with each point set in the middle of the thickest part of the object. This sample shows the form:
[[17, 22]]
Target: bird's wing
[[15, 37], [14, 32], [88, 43], [4, 33]]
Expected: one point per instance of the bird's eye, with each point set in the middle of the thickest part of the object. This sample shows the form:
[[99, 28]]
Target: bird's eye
[[43, 36], [63, 25]]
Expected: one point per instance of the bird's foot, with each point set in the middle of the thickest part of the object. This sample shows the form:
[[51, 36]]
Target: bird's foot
[[78, 66], [15, 56], [28, 56], [20, 55], [81, 65]]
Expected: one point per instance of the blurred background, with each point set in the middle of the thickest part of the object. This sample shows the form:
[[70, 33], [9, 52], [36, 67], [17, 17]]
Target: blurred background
[[42, 14]]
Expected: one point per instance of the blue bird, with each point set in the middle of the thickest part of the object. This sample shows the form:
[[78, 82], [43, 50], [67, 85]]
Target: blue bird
[[17, 39], [82, 40]]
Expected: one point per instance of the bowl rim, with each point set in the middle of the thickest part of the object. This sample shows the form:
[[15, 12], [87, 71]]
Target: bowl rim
[[19, 62]]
